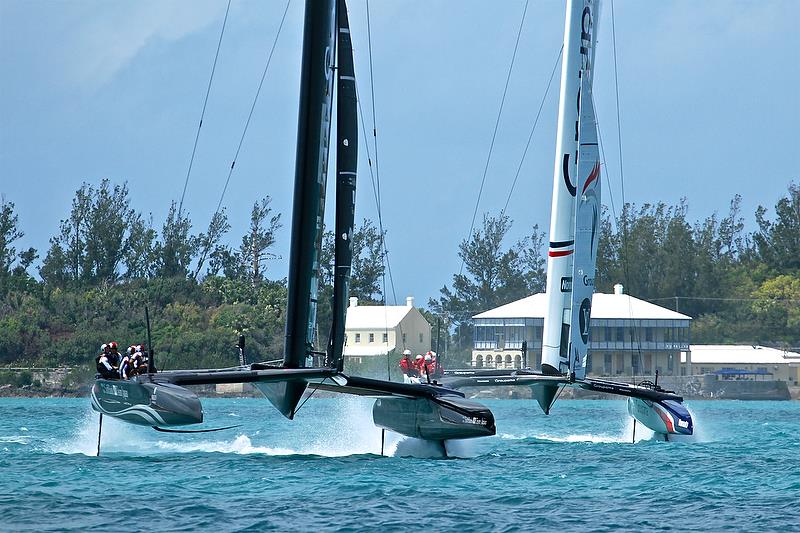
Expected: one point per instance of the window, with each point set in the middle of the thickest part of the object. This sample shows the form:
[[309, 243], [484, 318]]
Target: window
[[385, 337], [588, 363], [358, 337], [371, 337], [635, 362], [479, 361], [421, 338], [620, 334], [404, 339], [607, 364], [648, 334]]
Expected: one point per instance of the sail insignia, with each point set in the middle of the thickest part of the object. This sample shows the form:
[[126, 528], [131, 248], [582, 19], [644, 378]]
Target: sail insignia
[[587, 215]]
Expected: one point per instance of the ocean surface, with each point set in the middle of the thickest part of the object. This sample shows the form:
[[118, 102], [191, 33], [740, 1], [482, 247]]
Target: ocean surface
[[576, 469]]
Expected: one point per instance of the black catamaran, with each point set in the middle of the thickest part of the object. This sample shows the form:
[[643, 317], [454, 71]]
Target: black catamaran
[[426, 411]]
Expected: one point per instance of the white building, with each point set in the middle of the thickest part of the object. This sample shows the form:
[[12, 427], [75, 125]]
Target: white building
[[744, 362], [628, 336], [373, 330]]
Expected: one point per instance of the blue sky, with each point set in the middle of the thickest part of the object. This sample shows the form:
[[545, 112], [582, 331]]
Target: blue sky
[[89, 89]]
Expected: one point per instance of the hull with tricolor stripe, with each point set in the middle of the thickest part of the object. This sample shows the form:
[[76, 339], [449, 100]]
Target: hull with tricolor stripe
[[667, 417], [146, 404]]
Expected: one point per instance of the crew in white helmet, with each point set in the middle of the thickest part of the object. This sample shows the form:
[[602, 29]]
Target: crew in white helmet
[[104, 367]]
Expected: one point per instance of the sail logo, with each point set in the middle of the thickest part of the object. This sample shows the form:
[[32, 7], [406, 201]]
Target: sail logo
[[587, 25], [566, 284], [584, 318]]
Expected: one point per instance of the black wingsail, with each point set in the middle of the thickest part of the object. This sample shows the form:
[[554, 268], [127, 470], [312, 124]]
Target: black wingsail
[[313, 137], [346, 165]]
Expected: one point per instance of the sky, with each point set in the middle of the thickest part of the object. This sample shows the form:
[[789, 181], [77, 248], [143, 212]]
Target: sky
[[708, 108]]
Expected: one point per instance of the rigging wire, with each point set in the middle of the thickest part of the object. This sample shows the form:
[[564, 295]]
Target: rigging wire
[[253, 106], [496, 127], [203, 112], [533, 129], [246, 126], [376, 187], [634, 333]]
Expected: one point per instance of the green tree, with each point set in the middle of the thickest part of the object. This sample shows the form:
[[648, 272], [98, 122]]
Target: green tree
[[177, 247], [777, 242]]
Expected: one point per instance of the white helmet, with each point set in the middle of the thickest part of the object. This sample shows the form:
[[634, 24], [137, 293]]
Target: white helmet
[[130, 350], [406, 352], [428, 357], [418, 357], [103, 347]]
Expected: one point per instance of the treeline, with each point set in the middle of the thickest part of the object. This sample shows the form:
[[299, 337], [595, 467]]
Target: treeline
[[108, 261], [203, 288], [739, 286]]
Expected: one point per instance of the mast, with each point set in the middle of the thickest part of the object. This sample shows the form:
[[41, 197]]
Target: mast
[[579, 39], [313, 135], [346, 165]]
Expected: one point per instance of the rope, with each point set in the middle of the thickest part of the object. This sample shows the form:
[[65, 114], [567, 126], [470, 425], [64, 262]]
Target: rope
[[533, 129], [376, 187], [203, 112], [633, 331], [496, 127], [253, 106], [246, 126]]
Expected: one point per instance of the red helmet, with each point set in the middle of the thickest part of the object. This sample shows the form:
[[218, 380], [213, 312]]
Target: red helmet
[[112, 345]]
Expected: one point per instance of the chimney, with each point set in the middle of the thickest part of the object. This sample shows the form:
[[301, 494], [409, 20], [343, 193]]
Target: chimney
[[618, 289], [353, 301], [409, 301]]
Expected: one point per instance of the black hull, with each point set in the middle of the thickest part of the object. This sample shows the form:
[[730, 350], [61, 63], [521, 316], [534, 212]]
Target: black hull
[[146, 403]]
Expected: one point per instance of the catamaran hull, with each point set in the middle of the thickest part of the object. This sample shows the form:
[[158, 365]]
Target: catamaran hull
[[666, 417], [146, 404], [434, 419]]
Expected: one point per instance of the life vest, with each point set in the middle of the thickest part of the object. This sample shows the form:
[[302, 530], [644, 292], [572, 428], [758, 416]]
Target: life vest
[[405, 364]]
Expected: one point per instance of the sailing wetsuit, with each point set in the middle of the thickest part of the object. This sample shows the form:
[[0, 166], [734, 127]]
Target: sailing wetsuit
[[124, 367], [104, 367]]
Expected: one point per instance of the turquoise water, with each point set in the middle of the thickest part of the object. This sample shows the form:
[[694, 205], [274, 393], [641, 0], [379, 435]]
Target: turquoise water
[[575, 469]]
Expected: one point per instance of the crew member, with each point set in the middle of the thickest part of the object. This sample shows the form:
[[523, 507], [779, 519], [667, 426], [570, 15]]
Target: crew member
[[407, 366], [136, 362], [113, 354], [428, 367], [104, 367], [125, 367]]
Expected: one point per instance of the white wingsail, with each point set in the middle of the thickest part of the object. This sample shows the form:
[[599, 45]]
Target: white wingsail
[[587, 232], [579, 41]]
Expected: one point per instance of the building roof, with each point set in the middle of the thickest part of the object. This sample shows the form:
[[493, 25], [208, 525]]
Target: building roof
[[735, 354], [604, 306], [375, 316]]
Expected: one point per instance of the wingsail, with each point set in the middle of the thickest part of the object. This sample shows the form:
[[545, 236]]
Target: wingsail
[[587, 232]]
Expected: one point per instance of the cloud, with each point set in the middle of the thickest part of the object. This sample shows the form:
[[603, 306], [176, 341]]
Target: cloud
[[112, 34]]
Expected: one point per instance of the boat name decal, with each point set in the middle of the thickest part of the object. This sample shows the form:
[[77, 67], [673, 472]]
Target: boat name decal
[[113, 390]]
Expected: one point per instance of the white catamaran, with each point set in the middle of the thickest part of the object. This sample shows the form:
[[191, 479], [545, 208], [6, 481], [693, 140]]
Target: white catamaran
[[572, 254]]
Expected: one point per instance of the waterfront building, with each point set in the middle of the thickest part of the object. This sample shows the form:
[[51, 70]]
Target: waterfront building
[[628, 336], [744, 362], [373, 330]]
